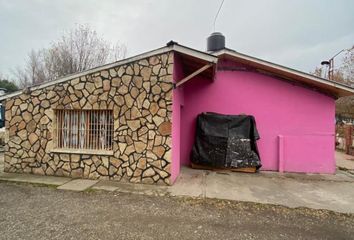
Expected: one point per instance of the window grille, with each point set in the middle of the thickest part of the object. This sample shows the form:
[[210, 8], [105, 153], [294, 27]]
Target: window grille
[[84, 129]]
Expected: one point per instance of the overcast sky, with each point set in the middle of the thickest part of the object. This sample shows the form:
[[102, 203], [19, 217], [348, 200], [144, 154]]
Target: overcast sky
[[297, 34]]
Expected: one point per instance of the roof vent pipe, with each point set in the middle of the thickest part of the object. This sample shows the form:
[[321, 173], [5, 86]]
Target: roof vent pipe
[[215, 42]]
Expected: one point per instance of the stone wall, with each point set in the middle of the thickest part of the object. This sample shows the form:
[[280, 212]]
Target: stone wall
[[140, 95]]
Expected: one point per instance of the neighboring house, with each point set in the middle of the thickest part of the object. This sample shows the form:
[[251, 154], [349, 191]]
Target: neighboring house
[[135, 118]]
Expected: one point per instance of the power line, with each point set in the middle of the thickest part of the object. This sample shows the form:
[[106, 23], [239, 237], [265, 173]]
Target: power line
[[217, 14]]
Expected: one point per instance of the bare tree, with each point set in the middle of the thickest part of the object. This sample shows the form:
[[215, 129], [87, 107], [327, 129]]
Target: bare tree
[[77, 50], [343, 74]]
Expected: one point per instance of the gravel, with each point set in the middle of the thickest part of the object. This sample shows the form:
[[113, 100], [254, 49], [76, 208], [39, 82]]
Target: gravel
[[40, 212]]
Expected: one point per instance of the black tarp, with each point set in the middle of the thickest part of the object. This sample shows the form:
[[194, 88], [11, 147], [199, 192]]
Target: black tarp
[[224, 141]]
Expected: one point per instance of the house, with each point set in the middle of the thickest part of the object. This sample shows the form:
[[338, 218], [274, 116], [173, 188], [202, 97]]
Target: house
[[135, 118]]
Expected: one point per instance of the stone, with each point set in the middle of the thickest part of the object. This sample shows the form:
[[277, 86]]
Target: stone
[[22, 134], [129, 70], [165, 128], [157, 120], [116, 162], [45, 104], [141, 163], [23, 106], [154, 60], [77, 173], [129, 101], [138, 81], [126, 79], [38, 171], [154, 108], [159, 151], [106, 85], [145, 72], [139, 146], [26, 116], [98, 82], [134, 124], [32, 138], [156, 69], [148, 172], [112, 72], [166, 86], [90, 87], [135, 113], [123, 89], [105, 74], [121, 71], [75, 158], [22, 125], [79, 86], [102, 170], [134, 92]]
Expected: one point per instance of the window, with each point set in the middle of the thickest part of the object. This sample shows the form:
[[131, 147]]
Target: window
[[85, 129]]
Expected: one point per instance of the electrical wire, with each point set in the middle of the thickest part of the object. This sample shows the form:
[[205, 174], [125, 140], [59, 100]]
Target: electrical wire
[[217, 14]]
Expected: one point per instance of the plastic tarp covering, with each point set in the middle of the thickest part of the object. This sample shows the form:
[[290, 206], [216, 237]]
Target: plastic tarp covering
[[224, 141]]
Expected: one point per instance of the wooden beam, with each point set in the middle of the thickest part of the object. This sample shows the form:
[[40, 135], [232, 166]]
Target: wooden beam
[[205, 67]]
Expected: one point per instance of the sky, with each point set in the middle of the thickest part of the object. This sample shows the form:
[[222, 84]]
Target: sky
[[298, 34]]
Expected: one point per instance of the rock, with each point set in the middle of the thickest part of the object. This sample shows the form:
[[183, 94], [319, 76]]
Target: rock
[[106, 85], [45, 104], [22, 125], [75, 158], [32, 138], [38, 171], [165, 128], [90, 87], [105, 74], [148, 172], [22, 134], [98, 82], [79, 86], [156, 69], [112, 170], [26, 116], [126, 79], [102, 170], [129, 70], [166, 86], [139, 146], [159, 151], [154, 60], [112, 72], [138, 81], [157, 120], [154, 107], [134, 113], [123, 90], [145, 72], [134, 124], [156, 90], [129, 101], [116, 162], [77, 173], [23, 106], [141, 163]]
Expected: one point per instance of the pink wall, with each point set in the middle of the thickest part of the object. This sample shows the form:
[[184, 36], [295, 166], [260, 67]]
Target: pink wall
[[304, 117]]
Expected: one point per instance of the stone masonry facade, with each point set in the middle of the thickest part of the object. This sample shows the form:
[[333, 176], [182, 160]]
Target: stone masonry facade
[[140, 95]]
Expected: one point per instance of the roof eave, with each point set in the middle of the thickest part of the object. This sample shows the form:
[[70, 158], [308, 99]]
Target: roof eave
[[344, 89]]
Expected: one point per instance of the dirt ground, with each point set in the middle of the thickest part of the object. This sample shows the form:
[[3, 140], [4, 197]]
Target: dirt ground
[[38, 212]]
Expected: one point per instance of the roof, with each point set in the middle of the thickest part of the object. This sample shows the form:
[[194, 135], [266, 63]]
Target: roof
[[330, 87], [171, 46], [324, 85]]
